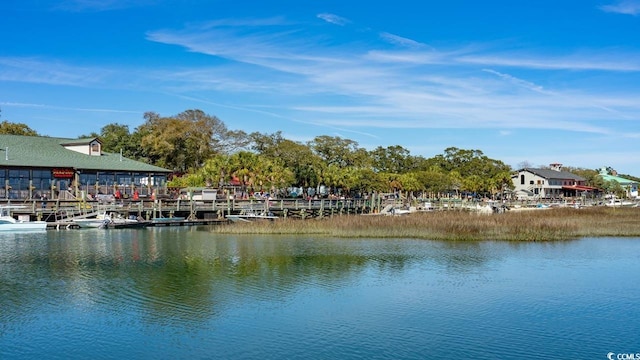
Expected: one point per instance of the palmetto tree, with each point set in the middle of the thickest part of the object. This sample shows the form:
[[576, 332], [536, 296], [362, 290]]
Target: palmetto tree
[[216, 171], [245, 166]]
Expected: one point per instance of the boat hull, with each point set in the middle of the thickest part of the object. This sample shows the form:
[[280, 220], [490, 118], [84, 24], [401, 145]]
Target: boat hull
[[109, 224], [167, 221], [91, 223], [249, 218], [9, 223], [24, 226]]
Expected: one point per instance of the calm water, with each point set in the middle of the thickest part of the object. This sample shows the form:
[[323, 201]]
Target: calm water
[[184, 293]]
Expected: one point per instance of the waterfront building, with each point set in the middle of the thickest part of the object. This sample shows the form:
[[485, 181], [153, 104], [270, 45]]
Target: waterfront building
[[533, 183], [33, 166], [630, 187]]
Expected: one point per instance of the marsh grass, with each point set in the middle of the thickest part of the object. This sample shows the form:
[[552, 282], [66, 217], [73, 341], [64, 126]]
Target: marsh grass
[[534, 225]]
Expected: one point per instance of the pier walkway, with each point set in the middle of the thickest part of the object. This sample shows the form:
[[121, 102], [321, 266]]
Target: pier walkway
[[61, 212]]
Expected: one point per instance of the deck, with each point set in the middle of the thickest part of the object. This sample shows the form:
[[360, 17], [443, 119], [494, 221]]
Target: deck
[[60, 213]]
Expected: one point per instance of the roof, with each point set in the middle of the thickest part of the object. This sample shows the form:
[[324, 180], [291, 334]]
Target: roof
[[618, 179], [48, 152], [554, 174], [83, 141]]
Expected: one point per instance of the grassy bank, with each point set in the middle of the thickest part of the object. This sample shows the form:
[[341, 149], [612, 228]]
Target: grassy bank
[[535, 225]]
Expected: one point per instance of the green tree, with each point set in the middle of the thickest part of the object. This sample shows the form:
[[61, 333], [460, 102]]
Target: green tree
[[338, 151], [216, 171], [181, 142], [304, 164], [394, 159], [410, 184], [500, 182], [615, 188], [434, 181], [246, 167], [266, 144], [116, 137], [366, 180], [274, 175], [9, 128], [474, 168]]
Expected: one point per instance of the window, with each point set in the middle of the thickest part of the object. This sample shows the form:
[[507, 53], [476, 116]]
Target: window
[[105, 178], [3, 177], [88, 179], [123, 178], [19, 179], [521, 179], [41, 179], [95, 148]]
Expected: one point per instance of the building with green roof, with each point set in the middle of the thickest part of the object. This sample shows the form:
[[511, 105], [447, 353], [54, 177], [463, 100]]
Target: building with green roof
[[630, 186], [32, 166]]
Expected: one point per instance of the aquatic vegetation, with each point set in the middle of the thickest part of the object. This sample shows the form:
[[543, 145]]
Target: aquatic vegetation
[[535, 225]]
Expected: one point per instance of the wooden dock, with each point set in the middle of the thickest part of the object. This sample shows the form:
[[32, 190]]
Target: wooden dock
[[60, 213]]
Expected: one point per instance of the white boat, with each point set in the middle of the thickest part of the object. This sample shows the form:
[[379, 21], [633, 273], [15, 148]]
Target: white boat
[[396, 210], [621, 203], [9, 223], [168, 220], [400, 211], [92, 222], [248, 215], [108, 220]]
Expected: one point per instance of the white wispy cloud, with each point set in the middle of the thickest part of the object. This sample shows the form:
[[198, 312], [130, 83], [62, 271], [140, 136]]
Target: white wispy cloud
[[333, 19], [399, 40], [408, 57], [414, 88], [597, 60], [529, 85], [627, 7], [361, 86]]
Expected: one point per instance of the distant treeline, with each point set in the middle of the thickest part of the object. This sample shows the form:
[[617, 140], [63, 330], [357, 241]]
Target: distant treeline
[[202, 151]]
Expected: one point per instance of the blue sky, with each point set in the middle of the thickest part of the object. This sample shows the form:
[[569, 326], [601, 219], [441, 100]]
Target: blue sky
[[537, 81]]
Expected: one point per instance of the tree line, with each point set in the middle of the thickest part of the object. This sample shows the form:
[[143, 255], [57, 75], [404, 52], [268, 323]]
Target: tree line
[[202, 151]]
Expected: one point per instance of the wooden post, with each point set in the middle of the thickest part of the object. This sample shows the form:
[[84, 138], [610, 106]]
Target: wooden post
[[76, 181]]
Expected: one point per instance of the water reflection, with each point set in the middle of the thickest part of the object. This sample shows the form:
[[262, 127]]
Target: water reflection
[[200, 293], [190, 276], [179, 276]]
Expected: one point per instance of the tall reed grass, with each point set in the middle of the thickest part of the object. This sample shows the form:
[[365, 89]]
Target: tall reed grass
[[534, 225]]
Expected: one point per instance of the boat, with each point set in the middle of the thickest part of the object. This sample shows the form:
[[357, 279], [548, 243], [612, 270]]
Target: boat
[[106, 220], [400, 211], [396, 210], [91, 223], [249, 215], [621, 203], [167, 220], [9, 223], [617, 202]]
